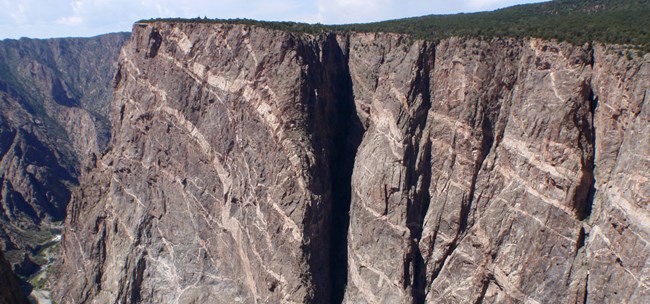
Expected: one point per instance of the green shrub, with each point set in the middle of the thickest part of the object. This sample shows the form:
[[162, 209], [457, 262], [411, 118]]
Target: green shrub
[[575, 21]]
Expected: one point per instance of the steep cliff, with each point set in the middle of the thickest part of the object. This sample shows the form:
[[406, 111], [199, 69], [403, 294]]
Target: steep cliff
[[260, 166], [54, 101]]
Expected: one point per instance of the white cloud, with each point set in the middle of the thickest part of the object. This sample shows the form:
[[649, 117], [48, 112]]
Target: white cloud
[[18, 15], [71, 20], [343, 11]]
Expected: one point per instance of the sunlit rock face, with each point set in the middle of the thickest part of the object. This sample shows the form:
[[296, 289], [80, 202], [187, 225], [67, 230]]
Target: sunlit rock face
[[260, 166]]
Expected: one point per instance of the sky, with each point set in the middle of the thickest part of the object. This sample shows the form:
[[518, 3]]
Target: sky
[[85, 18]]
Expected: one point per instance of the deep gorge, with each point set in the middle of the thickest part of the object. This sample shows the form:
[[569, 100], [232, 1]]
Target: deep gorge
[[267, 166]]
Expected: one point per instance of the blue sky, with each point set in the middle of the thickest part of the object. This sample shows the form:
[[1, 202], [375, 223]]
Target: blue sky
[[82, 18]]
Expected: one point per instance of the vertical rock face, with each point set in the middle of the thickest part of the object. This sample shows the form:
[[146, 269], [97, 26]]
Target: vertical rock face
[[218, 180], [391, 78], [619, 232], [512, 159], [54, 97], [490, 146], [256, 166]]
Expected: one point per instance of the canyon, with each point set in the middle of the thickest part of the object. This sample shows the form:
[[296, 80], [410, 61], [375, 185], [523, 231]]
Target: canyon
[[253, 165], [54, 111]]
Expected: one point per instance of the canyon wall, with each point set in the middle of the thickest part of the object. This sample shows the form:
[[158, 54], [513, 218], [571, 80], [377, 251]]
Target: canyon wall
[[54, 103], [260, 166]]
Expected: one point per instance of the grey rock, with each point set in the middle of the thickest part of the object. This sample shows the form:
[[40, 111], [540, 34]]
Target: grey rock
[[183, 207], [259, 166]]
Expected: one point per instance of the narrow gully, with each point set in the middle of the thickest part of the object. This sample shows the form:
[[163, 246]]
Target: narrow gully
[[346, 138]]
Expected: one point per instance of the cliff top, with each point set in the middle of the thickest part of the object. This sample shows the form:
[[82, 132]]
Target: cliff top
[[575, 21]]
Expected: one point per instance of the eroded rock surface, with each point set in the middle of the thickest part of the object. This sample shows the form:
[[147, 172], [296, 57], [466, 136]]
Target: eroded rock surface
[[217, 180], [259, 166], [54, 99]]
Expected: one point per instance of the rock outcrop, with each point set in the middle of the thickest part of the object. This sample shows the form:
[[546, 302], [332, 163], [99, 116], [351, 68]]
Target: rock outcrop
[[54, 101], [10, 291], [260, 166]]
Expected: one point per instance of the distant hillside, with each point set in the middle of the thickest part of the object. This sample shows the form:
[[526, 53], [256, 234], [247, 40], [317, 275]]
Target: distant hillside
[[576, 21], [54, 104]]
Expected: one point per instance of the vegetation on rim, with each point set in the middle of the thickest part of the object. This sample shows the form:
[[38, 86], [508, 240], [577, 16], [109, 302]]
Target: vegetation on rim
[[576, 21]]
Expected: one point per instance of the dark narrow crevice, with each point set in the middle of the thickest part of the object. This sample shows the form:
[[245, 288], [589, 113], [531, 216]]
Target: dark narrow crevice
[[138, 277], [418, 177], [593, 104], [155, 40], [591, 55], [385, 200], [421, 203], [336, 135], [347, 135], [584, 120], [589, 201], [585, 296], [582, 236], [487, 141], [117, 77], [484, 287], [101, 255]]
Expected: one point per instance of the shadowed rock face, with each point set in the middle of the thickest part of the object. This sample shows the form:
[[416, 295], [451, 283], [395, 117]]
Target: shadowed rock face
[[259, 166], [10, 291], [54, 100]]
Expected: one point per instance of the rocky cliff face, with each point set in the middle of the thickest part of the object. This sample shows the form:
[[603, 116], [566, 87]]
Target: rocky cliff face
[[10, 291], [54, 100], [259, 166]]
